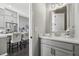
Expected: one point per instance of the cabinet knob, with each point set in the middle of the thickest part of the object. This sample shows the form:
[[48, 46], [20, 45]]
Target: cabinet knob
[[31, 37], [53, 52], [55, 24]]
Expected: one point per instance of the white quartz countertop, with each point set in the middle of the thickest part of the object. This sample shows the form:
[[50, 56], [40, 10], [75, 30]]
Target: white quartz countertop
[[63, 39]]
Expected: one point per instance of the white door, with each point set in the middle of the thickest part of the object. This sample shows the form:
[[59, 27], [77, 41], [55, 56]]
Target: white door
[[30, 31], [58, 22], [33, 42], [38, 25]]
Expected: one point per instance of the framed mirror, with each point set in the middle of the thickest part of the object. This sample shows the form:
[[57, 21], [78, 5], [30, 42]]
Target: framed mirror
[[59, 20], [62, 19]]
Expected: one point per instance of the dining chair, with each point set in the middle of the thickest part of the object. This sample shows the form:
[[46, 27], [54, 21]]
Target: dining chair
[[24, 38], [15, 42]]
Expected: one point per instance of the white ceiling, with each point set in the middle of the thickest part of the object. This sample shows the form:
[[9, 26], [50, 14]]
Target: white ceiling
[[23, 7]]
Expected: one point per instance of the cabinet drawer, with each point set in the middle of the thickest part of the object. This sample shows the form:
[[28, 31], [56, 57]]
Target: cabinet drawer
[[57, 44]]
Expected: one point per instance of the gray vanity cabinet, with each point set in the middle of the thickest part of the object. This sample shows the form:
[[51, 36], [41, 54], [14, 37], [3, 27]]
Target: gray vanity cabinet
[[55, 48], [51, 51]]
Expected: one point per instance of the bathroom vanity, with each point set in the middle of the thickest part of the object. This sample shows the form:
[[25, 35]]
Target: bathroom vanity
[[58, 46]]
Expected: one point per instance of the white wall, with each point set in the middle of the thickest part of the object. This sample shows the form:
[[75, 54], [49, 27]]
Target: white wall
[[48, 19], [74, 19], [77, 21]]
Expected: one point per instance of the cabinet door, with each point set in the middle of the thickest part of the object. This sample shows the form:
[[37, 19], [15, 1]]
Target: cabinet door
[[76, 50], [54, 51], [63, 53], [46, 50]]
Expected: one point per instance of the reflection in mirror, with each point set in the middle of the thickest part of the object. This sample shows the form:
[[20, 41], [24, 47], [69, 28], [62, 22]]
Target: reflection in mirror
[[59, 20]]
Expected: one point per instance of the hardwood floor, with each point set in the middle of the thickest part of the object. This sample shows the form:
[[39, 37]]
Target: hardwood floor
[[23, 52]]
